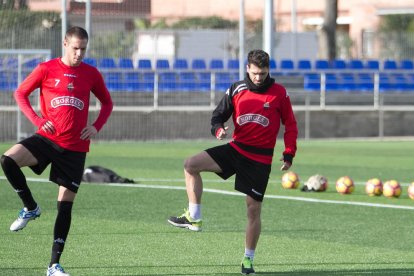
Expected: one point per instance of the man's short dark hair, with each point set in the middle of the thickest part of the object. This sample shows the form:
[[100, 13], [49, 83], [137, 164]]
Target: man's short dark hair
[[77, 32], [259, 58]]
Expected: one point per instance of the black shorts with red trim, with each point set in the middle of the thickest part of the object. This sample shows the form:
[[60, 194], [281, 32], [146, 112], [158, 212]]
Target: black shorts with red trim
[[66, 166], [251, 177]]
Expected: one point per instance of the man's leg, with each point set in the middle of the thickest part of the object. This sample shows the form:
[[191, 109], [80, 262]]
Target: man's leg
[[193, 166], [11, 162], [253, 229], [254, 222], [62, 223]]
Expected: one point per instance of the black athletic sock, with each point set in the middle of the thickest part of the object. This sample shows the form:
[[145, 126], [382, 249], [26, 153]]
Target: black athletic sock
[[62, 226], [18, 181]]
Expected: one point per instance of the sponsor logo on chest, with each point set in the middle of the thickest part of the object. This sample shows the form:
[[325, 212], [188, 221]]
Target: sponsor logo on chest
[[67, 100], [253, 118]]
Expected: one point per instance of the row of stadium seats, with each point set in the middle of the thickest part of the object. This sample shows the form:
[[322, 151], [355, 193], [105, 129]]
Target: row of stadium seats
[[233, 64], [360, 82], [357, 79], [230, 64], [190, 81]]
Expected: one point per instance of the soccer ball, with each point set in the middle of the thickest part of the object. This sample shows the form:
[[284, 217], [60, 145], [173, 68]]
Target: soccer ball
[[345, 185], [290, 180], [411, 190], [316, 183], [391, 188], [373, 187]]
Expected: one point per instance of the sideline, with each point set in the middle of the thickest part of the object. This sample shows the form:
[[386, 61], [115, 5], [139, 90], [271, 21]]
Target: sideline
[[234, 193]]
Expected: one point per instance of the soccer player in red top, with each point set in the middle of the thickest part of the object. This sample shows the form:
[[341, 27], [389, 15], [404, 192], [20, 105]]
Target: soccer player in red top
[[63, 134], [257, 105]]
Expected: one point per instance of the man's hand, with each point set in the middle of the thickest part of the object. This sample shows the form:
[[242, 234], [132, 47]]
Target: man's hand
[[221, 133], [88, 132], [48, 127], [286, 165]]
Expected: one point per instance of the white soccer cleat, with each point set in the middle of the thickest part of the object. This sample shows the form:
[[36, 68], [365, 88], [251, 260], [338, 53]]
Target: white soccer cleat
[[24, 217], [56, 270]]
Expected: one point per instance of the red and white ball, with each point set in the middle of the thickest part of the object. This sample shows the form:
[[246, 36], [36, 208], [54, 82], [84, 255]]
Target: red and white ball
[[290, 180], [411, 190], [391, 188], [345, 185], [373, 187]]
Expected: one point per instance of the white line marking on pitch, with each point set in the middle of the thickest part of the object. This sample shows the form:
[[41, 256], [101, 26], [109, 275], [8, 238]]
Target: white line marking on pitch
[[305, 199]]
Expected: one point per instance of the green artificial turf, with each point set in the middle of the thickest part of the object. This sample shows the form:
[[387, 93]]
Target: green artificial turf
[[121, 230]]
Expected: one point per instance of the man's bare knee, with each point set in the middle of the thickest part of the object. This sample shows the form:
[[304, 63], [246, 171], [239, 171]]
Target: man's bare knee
[[190, 166]]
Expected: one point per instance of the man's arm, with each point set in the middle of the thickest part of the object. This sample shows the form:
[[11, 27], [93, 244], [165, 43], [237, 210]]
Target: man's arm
[[102, 94], [291, 133], [21, 95], [220, 115]]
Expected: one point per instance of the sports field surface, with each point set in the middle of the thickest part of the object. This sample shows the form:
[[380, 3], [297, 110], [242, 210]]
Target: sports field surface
[[123, 230]]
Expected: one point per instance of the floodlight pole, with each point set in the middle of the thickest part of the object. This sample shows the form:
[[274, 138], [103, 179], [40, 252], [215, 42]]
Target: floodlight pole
[[293, 17], [64, 23], [268, 28], [241, 41], [88, 11]]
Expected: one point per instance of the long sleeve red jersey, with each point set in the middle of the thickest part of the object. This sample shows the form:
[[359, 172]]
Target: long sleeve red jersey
[[64, 100], [256, 118]]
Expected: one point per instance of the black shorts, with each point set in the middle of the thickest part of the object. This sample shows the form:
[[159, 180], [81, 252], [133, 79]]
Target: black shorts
[[66, 166], [251, 176]]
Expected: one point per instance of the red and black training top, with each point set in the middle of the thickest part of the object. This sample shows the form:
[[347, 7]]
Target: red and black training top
[[257, 113], [64, 100]]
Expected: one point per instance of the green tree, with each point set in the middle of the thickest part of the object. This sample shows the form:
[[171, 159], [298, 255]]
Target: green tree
[[212, 22], [23, 29], [396, 36]]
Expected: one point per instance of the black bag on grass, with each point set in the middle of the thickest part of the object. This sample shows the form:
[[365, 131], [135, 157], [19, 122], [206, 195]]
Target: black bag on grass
[[98, 174]]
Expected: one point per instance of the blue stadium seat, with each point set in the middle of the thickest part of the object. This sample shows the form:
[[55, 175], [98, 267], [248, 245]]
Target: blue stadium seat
[[4, 81], [390, 64], [167, 82], [12, 62], [406, 64], [347, 82], [187, 82], [365, 82], [400, 82], [385, 82], [31, 64], [147, 81], [91, 61], [409, 78], [223, 81], [304, 64], [273, 68], [180, 63], [198, 63], [321, 64], [372, 64], [106, 63], [132, 81], [332, 82], [338, 64], [113, 81], [312, 82], [4, 85], [126, 63], [287, 64], [272, 64], [216, 64], [356, 64], [144, 64], [162, 64], [204, 80], [233, 64]]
